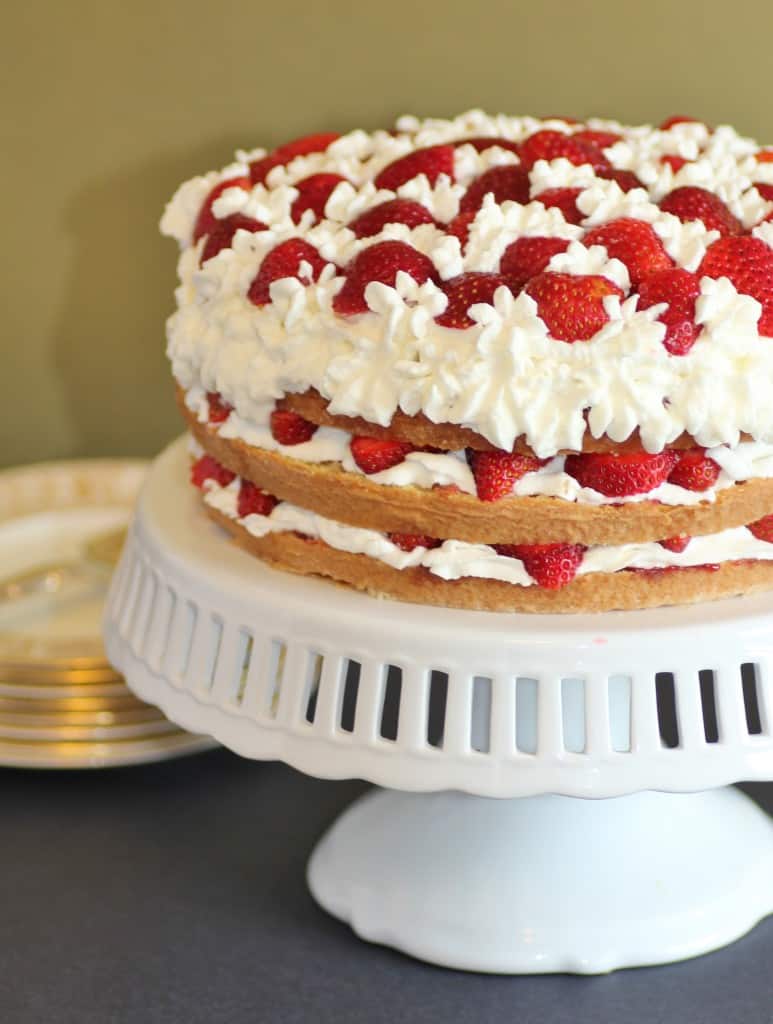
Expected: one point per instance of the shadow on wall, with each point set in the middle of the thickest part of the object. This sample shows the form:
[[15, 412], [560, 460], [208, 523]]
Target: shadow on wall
[[110, 340]]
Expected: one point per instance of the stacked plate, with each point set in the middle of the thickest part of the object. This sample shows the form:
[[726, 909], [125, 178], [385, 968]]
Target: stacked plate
[[61, 703]]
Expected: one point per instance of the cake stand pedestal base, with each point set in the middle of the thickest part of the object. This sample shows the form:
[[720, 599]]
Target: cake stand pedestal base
[[548, 883]]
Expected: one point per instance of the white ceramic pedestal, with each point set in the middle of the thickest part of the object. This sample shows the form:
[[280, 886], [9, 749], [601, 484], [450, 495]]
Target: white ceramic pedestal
[[269, 663]]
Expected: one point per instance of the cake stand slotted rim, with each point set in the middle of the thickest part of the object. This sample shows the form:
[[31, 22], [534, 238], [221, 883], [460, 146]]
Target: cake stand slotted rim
[[261, 660]]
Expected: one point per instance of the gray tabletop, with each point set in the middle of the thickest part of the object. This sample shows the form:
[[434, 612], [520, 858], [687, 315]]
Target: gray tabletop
[[175, 893]]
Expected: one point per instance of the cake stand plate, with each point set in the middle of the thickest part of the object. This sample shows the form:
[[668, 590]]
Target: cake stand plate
[[429, 700]]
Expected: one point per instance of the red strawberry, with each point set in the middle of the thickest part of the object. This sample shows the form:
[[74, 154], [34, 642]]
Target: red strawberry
[[572, 306], [694, 471], [676, 163], [619, 475], [289, 151], [551, 566], [483, 143], [380, 262], [395, 211], [765, 190], [676, 119], [207, 468], [625, 179], [527, 257], [497, 472], [284, 261], [254, 502], [564, 199], [693, 203], [219, 411], [508, 182], [314, 194], [460, 226], [432, 162], [676, 544], [464, 291], [679, 288], [634, 243], [409, 541], [762, 529], [599, 139], [765, 156], [550, 145], [289, 428], [748, 263], [221, 236], [206, 219], [373, 454]]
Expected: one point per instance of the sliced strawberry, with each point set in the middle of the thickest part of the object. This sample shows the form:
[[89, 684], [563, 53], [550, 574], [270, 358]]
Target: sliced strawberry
[[219, 411], [550, 145], [460, 226], [748, 263], [289, 151], [252, 501], [373, 454], [527, 257], [395, 211], [410, 541], [765, 190], [207, 468], [551, 566], [482, 143], [693, 203], [432, 162], [764, 156], [285, 261], [676, 544], [464, 291], [694, 471], [289, 428], [599, 139], [380, 262], [680, 289], [676, 119], [221, 235], [206, 219], [762, 529], [676, 163], [314, 194], [625, 179], [634, 243], [508, 182], [565, 200], [617, 476], [497, 472], [572, 306]]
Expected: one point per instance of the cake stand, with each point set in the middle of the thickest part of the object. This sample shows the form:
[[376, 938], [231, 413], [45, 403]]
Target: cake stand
[[656, 712]]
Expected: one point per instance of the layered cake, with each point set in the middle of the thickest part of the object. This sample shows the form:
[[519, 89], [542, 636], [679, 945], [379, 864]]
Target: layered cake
[[490, 362]]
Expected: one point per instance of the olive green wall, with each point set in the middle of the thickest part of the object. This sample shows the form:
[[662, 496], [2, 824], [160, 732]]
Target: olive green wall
[[109, 105]]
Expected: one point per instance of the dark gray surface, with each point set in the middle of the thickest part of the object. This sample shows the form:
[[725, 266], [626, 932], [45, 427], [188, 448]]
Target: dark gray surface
[[174, 894]]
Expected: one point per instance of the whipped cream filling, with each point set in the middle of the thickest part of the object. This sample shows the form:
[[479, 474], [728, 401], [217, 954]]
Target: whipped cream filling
[[457, 559], [504, 377], [746, 461]]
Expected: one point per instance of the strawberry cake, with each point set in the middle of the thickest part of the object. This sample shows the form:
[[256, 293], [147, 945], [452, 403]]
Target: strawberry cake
[[490, 362]]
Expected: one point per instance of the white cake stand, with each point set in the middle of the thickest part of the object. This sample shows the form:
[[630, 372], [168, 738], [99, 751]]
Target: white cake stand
[[448, 708]]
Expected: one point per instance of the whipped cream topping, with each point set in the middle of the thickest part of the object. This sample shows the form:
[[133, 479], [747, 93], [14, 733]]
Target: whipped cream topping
[[505, 376], [748, 460], [457, 559]]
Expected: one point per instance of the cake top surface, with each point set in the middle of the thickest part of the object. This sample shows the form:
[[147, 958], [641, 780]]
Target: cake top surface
[[523, 278]]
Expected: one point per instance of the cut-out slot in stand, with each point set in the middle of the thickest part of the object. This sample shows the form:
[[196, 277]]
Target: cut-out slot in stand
[[447, 708]]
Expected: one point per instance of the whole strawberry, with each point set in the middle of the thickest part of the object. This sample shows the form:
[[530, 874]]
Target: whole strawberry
[[748, 263], [432, 162], [508, 182], [497, 472], [394, 211], [375, 454], [551, 566], [289, 428], [694, 470], [314, 194], [572, 306], [380, 262], [634, 243], [317, 143], [527, 257], [464, 291], [680, 289], [285, 260], [693, 203], [617, 476]]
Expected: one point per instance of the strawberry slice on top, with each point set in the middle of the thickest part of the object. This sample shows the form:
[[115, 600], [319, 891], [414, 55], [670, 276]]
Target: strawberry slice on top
[[314, 194], [633, 242], [692, 203], [431, 162], [292, 258], [572, 305], [394, 211], [527, 257], [680, 290], [464, 291], [748, 263], [510, 182], [380, 262]]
